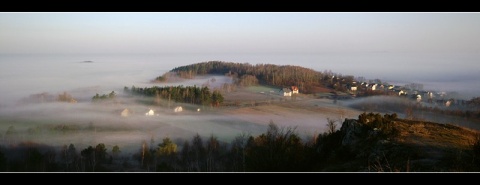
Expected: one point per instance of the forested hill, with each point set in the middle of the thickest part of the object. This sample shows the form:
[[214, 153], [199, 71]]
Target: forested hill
[[306, 79]]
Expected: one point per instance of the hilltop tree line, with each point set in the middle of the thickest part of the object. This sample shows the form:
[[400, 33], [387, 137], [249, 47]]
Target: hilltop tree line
[[188, 94], [306, 79]]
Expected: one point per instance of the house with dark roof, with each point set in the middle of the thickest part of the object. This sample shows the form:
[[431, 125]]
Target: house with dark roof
[[287, 92]]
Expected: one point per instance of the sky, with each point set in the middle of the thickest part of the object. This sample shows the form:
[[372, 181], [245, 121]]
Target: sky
[[272, 33]]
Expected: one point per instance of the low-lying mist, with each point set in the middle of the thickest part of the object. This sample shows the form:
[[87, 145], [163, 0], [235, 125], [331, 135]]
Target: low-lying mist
[[90, 123], [407, 108]]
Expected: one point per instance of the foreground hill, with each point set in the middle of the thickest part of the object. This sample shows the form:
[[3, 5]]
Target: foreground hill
[[385, 143]]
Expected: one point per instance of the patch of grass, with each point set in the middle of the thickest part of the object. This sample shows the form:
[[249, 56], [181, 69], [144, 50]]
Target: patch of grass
[[263, 88]]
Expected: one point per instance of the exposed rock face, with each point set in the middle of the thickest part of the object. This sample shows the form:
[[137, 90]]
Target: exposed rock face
[[351, 130]]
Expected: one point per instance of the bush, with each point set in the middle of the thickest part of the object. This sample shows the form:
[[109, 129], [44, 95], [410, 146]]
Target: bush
[[476, 151]]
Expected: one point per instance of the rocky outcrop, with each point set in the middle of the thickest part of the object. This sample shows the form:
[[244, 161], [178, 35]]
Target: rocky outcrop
[[390, 144], [351, 131]]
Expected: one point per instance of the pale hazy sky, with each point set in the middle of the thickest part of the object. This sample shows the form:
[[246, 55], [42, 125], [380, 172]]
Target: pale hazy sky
[[59, 33]]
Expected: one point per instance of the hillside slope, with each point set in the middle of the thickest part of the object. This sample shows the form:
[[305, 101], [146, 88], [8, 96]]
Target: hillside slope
[[375, 143]]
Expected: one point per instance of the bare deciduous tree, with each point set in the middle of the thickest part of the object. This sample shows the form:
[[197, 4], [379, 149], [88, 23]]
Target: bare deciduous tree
[[331, 125]]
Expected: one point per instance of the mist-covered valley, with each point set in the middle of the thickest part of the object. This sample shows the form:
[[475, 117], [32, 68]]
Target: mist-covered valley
[[30, 110]]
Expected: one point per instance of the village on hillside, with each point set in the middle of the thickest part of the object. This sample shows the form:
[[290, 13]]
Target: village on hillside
[[413, 91]]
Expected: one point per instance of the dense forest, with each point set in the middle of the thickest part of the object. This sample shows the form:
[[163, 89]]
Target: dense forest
[[188, 94], [307, 80], [374, 142]]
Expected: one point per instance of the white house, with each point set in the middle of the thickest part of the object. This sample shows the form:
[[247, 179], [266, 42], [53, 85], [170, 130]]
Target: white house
[[125, 113], [428, 94], [353, 88], [401, 92], [178, 109], [448, 103], [287, 92], [419, 98], [150, 113]]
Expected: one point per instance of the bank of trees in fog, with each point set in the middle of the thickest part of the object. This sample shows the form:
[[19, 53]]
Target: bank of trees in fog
[[306, 79], [46, 98], [109, 96], [278, 149], [188, 94]]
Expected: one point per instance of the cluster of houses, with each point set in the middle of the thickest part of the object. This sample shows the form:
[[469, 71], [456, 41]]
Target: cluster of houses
[[413, 91], [289, 91], [354, 87]]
